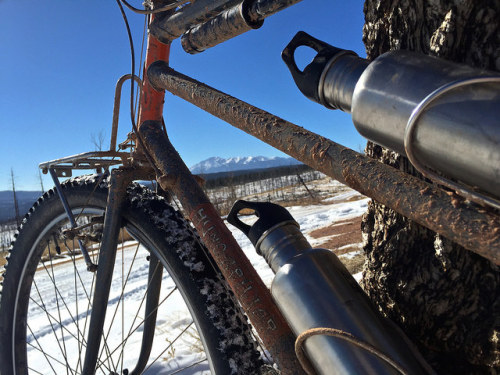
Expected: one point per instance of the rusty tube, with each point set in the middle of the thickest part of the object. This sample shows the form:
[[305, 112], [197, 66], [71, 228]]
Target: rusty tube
[[116, 107], [245, 16], [475, 228], [151, 101], [168, 28], [227, 25], [261, 9], [248, 287]]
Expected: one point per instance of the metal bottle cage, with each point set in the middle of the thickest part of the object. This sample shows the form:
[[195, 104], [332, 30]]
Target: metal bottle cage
[[410, 132]]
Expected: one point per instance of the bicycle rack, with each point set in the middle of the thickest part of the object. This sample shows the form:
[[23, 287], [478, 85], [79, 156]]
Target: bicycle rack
[[98, 160], [90, 265]]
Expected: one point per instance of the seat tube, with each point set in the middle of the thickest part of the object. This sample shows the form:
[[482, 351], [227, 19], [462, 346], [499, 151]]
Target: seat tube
[[151, 101]]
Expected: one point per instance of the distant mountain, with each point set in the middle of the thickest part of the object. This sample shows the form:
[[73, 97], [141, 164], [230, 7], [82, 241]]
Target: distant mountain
[[25, 200], [217, 164]]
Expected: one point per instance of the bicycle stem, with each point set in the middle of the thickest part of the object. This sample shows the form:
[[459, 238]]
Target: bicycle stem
[[418, 200]]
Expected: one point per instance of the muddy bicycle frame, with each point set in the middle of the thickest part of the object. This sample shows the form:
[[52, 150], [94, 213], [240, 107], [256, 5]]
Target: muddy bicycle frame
[[418, 200]]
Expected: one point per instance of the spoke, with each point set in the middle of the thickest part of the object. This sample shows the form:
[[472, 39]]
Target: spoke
[[158, 267], [73, 258], [123, 288], [83, 343], [89, 302], [47, 356], [168, 347], [89, 305], [56, 290], [51, 316], [140, 323], [33, 370], [79, 278], [50, 322], [120, 299], [80, 344], [191, 365], [40, 349]]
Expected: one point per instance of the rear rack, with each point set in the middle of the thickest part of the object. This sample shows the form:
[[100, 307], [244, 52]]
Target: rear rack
[[97, 160]]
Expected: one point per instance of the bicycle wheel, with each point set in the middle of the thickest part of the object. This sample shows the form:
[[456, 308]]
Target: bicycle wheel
[[47, 293]]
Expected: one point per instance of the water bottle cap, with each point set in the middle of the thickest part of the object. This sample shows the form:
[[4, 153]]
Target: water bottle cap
[[308, 80], [269, 215]]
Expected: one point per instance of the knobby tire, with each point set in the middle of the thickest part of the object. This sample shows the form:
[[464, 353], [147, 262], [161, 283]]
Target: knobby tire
[[55, 335]]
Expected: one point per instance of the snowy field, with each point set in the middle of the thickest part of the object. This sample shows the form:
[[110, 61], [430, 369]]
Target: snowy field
[[173, 317], [309, 218]]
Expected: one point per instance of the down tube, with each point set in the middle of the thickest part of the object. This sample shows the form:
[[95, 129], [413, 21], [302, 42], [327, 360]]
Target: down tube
[[246, 284]]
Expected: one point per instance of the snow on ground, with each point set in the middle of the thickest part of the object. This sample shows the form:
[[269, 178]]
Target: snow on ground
[[309, 218], [70, 296], [172, 317]]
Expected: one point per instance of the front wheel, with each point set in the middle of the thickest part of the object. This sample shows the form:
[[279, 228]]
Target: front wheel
[[169, 310]]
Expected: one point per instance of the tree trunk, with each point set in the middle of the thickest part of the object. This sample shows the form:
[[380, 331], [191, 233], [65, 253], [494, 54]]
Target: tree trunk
[[446, 298]]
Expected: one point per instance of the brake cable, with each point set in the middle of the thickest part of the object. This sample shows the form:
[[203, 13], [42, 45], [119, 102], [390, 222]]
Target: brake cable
[[132, 115], [173, 5]]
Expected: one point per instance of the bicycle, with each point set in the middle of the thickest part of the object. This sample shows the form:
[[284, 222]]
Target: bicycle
[[90, 218]]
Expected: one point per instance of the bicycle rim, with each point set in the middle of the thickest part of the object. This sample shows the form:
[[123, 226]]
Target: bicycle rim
[[55, 299]]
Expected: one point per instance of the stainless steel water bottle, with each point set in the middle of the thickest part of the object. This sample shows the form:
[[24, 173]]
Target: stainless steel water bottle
[[313, 289], [456, 133]]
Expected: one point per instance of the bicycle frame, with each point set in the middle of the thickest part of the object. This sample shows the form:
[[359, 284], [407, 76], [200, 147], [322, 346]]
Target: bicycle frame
[[250, 290], [422, 202], [235, 266]]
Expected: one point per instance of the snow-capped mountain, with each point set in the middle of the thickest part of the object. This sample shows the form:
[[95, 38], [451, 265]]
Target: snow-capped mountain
[[217, 164]]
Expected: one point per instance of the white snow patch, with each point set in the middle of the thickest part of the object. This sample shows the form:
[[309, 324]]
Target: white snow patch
[[358, 276]]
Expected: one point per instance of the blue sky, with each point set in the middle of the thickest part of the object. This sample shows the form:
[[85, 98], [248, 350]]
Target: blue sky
[[60, 60]]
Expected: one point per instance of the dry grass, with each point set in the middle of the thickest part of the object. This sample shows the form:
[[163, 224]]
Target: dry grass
[[3, 258], [196, 346], [355, 264], [344, 239]]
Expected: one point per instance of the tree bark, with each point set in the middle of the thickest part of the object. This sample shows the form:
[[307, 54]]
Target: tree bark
[[446, 298]]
